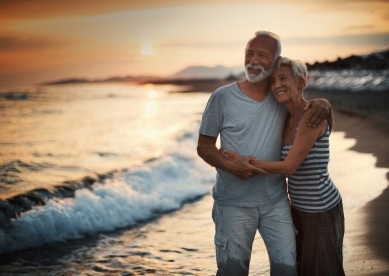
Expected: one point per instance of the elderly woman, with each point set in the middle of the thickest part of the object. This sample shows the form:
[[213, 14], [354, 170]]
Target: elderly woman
[[316, 203]]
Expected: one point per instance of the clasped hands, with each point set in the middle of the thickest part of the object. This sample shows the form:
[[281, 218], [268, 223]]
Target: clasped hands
[[242, 166]]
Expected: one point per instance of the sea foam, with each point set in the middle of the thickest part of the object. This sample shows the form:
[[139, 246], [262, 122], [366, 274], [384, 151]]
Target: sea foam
[[129, 197]]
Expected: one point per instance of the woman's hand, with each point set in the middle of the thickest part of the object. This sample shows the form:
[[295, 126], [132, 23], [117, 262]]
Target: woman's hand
[[243, 167], [234, 156]]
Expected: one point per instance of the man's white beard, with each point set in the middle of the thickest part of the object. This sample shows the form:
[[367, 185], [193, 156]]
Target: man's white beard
[[256, 78]]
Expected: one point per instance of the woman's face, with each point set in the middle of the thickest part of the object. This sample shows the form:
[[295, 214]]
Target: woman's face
[[284, 86]]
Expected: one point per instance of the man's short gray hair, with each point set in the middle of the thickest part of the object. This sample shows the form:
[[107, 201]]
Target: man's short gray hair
[[276, 38], [299, 69]]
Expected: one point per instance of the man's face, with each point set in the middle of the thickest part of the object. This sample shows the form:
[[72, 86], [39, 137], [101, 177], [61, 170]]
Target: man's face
[[259, 58]]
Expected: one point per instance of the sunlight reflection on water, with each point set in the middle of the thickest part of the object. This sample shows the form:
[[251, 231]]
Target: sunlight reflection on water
[[66, 132]]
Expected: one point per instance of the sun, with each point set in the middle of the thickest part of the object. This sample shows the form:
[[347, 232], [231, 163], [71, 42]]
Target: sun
[[147, 49]]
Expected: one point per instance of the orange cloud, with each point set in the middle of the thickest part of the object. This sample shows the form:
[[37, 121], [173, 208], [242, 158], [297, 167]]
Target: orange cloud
[[25, 43], [33, 9]]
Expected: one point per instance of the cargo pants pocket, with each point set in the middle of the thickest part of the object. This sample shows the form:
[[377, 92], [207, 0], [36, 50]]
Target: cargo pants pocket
[[221, 246]]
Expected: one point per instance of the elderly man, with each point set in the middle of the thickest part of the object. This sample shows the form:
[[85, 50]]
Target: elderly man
[[250, 121]]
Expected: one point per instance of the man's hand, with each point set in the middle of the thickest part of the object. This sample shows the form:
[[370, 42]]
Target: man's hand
[[240, 166], [207, 150], [320, 110]]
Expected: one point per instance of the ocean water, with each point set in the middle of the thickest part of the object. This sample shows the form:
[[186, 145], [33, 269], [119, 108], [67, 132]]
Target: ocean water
[[91, 158], [104, 179]]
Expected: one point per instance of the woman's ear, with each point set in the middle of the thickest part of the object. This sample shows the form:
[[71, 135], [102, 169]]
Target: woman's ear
[[301, 83]]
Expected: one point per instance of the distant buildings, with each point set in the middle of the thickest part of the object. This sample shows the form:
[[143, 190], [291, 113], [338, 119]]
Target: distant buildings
[[374, 61]]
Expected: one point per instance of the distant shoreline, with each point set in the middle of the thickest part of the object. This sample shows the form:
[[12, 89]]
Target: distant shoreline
[[198, 85], [369, 106], [191, 85]]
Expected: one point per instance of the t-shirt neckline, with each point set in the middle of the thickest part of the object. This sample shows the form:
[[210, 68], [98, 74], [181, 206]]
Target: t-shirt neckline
[[241, 92]]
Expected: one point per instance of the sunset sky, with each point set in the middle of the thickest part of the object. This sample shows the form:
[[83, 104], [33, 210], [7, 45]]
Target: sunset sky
[[43, 40]]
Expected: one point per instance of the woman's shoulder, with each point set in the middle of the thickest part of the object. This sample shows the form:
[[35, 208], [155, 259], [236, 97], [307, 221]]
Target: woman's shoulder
[[303, 118]]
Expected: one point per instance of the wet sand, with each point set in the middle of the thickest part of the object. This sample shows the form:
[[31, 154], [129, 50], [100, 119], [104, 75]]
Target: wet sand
[[365, 117], [367, 227]]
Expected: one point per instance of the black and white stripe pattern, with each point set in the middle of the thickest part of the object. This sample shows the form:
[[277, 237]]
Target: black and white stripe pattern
[[310, 187]]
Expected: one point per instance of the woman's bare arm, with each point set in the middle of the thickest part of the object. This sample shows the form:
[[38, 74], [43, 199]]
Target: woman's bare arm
[[208, 151], [303, 142]]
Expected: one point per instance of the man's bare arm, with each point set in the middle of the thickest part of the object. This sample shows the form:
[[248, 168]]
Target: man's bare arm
[[321, 110], [207, 150]]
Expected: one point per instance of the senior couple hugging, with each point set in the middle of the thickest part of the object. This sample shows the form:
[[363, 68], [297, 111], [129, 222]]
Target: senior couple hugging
[[271, 168]]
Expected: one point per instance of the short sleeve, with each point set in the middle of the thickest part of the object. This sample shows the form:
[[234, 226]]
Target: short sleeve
[[211, 122]]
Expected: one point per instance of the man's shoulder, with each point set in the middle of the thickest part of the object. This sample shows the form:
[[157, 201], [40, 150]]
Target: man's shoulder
[[226, 91], [226, 88]]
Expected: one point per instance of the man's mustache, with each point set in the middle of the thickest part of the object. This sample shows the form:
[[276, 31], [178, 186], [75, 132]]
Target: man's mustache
[[255, 67]]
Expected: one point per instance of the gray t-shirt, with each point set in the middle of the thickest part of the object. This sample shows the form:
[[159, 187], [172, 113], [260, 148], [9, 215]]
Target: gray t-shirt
[[248, 127]]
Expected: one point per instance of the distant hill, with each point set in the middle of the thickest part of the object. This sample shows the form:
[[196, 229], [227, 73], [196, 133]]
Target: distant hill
[[204, 72], [68, 81], [192, 72]]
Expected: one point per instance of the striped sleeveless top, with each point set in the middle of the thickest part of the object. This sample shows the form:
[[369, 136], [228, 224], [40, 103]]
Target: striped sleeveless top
[[310, 187]]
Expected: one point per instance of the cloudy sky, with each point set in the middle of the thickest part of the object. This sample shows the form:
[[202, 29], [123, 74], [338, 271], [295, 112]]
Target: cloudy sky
[[43, 40]]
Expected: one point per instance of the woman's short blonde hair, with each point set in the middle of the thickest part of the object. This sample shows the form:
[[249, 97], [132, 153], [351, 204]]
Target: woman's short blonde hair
[[299, 69]]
